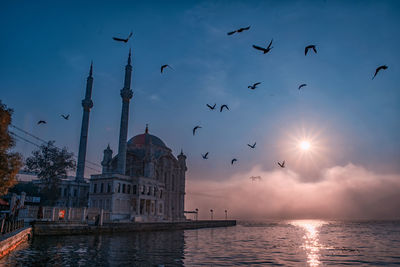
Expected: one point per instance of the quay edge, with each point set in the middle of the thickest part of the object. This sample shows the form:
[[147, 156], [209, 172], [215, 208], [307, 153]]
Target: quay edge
[[77, 228]]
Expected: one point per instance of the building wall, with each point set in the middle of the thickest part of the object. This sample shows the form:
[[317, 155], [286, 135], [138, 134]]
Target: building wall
[[157, 197]]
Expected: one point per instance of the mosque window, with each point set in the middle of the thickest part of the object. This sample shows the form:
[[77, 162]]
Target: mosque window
[[123, 188], [101, 188], [129, 189], [134, 189]]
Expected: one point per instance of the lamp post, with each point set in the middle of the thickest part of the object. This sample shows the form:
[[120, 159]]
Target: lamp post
[[226, 214], [211, 213], [197, 214]]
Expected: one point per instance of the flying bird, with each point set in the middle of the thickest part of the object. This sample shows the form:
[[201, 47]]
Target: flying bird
[[383, 67], [211, 107], [309, 47], [164, 66], [195, 128], [254, 86], [282, 165], [239, 30], [233, 161], [66, 117], [253, 178], [302, 85], [205, 156], [252, 146], [265, 50], [222, 107], [123, 40], [41, 122]]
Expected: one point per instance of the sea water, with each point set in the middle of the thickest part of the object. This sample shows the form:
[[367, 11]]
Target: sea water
[[250, 243]]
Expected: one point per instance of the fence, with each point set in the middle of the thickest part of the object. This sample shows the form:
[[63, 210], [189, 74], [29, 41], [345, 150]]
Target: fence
[[30, 213], [7, 226]]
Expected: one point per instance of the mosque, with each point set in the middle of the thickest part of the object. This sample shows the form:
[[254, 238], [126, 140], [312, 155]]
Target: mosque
[[144, 181]]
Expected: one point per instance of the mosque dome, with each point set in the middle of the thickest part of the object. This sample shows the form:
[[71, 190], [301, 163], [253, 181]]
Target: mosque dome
[[140, 139]]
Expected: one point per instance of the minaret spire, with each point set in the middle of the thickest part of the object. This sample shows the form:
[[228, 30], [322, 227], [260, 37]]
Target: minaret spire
[[129, 57], [87, 104], [126, 95], [91, 69]]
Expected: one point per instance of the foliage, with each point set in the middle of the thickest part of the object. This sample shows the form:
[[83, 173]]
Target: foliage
[[51, 164], [10, 162]]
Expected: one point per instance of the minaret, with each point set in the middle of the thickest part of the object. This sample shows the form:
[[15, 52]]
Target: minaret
[[87, 104], [126, 95]]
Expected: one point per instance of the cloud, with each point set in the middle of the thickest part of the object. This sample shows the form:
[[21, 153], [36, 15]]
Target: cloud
[[343, 192]]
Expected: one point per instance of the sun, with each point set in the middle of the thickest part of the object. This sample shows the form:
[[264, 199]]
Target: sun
[[305, 145]]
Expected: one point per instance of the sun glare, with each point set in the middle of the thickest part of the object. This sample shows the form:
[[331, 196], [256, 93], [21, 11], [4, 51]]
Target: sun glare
[[305, 145]]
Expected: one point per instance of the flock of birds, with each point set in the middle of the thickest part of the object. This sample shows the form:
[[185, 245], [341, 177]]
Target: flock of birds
[[265, 50]]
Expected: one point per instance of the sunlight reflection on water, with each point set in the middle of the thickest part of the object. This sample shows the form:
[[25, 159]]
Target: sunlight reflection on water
[[311, 239]]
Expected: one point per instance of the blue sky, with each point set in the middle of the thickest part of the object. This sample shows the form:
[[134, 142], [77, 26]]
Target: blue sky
[[46, 49]]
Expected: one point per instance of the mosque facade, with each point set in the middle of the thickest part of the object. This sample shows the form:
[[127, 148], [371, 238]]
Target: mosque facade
[[144, 181]]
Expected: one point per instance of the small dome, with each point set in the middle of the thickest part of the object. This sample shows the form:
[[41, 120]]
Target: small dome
[[140, 139]]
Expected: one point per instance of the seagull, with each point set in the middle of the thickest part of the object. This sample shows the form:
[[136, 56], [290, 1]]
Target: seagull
[[383, 67], [239, 30], [41, 122], [233, 161], [265, 50], [309, 47], [205, 156], [123, 40], [66, 117], [253, 178], [254, 86], [282, 165], [222, 107], [302, 85], [164, 66], [252, 146], [195, 128], [212, 107]]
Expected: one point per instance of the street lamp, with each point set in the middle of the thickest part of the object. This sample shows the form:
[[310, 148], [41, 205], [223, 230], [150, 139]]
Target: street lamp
[[211, 211], [197, 214], [226, 214]]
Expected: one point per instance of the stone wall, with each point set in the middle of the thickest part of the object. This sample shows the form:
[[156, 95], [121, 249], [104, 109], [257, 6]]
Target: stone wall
[[11, 240]]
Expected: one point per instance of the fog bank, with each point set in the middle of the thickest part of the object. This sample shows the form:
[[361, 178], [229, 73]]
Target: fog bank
[[343, 192]]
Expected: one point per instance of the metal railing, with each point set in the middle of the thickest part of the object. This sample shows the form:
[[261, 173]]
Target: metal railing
[[8, 226]]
